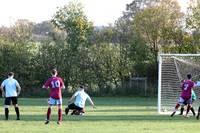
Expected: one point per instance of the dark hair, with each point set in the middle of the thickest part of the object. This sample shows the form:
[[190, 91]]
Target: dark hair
[[189, 76], [54, 71], [11, 74], [81, 86]]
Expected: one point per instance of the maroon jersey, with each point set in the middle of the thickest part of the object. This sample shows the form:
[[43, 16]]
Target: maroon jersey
[[55, 84], [187, 86]]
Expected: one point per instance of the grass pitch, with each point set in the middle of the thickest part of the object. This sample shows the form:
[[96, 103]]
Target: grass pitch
[[112, 115]]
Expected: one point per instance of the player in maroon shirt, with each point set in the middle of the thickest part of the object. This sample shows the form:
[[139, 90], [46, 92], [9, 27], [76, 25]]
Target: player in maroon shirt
[[185, 97], [55, 84], [193, 99]]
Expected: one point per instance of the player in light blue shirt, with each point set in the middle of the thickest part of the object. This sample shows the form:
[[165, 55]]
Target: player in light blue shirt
[[79, 99], [10, 90]]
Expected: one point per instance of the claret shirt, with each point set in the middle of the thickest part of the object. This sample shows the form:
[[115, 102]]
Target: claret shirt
[[55, 84], [187, 86]]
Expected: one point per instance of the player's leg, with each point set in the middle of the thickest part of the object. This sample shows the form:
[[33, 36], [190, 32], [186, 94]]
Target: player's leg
[[15, 104], [193, 112], [59, 104], [78, 111], [48, 114], [181, 110], [192, 108], [189, 102], [181, 101], [188, 109], [7, 103], [67, 110], [50, 103], [70, 106], [82, 112], [198, 113]]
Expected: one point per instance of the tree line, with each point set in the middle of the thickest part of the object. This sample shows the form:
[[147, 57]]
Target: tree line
[[104, 57]]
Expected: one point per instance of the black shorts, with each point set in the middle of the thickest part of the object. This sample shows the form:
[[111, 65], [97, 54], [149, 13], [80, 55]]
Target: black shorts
[[73, 106], [10, 100]]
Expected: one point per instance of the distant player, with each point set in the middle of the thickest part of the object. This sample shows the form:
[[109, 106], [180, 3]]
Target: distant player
[[186, 95], [79, 99], [55, 84], [10, 90]]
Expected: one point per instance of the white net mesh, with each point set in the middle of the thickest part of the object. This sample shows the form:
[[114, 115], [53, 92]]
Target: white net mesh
[[175, 68]]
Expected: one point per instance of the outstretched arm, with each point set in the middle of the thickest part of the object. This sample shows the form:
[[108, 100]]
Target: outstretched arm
[[91, 102]]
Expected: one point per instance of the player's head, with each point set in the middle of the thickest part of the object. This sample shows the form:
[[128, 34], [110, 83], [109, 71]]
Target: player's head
[[85, 86], [54, 72], [189, 76], [11, 74], [81, 87]]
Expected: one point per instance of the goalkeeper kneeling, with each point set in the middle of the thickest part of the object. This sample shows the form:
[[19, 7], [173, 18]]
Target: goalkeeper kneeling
[[79, 98]]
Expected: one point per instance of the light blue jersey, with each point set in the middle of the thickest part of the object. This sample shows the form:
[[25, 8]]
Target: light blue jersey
[[10, 85], [81, 97]]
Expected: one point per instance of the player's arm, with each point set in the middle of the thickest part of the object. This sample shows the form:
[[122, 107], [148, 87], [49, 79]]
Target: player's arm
[[71, 99], [62, 84], [197, 84], [2, 90], [46, 84], [91, 102], [18, 88], [44, 87]]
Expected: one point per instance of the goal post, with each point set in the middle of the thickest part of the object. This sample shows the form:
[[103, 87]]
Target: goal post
[[172, 69]]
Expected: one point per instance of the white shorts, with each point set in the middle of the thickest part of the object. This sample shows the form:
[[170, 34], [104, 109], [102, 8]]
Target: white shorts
[[52, 101], [185, 101]]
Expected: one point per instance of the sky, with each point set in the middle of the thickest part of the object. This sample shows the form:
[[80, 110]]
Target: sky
[[100, 12]]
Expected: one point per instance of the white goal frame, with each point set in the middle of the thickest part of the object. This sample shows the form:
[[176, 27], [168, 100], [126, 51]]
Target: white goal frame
[[160, 74]]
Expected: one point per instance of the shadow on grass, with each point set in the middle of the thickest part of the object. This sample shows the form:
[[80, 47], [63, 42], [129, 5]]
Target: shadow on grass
[[99, 118], [121, 110], [99, 101]]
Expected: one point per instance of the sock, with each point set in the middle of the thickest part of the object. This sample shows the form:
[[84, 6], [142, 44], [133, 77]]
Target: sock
[[6, 113], [177, 106], [182, 109], [59, 115], [66, 111], [199, 110], [73, 112], [48, 113], [188, 109], [17, 111], [192, 109]]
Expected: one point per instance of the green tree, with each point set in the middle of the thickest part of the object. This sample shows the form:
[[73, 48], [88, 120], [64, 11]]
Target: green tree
[[72, 20], [193, 24], [17, 53], [157, 23]]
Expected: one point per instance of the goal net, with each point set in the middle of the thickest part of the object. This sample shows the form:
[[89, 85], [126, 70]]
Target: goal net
[[173, 68]]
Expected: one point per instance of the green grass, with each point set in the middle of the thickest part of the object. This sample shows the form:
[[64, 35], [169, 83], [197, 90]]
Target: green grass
[[113, 115]]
